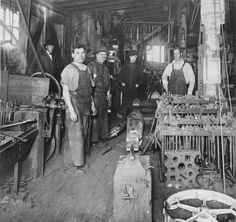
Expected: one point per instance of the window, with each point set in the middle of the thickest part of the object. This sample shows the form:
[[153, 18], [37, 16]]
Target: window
[[156, 53], [9, 26]]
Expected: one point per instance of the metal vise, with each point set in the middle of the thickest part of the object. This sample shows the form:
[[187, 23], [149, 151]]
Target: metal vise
[[134, 131]]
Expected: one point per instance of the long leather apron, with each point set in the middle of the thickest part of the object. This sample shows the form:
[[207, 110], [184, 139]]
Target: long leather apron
[[78, 132], [100, 121], [177, 83]]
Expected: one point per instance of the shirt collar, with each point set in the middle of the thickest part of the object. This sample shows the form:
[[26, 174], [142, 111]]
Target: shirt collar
[[50, 55], [178, 64]]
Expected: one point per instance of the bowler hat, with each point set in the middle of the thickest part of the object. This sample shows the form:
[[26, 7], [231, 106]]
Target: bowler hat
[[49, 42], [101, 48], [133, 52]]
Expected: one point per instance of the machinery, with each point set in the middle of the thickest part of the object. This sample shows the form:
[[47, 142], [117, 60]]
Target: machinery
[[197, 141], [132, 179], [134, 132], [200, 206], [30, 125]]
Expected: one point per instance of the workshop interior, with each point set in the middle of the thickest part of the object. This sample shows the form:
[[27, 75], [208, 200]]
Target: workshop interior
[[169, 154]]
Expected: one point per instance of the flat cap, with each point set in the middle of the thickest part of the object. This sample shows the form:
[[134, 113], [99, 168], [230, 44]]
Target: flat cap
[[133, 52], [101, 48]]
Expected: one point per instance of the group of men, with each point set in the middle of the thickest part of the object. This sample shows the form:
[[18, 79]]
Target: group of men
[[83, 84]]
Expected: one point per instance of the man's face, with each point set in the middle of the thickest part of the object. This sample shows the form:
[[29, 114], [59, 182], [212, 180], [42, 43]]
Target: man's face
[[132, 59], [101, 57], [177, 54], [50, 48], [78, 55]]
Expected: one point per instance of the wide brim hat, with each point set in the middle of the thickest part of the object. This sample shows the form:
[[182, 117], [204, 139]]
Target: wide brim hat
[[101, 48]]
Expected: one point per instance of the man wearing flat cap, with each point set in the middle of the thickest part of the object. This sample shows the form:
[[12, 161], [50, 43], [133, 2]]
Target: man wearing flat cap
[[51, 62], [131, 77], [101, 76]]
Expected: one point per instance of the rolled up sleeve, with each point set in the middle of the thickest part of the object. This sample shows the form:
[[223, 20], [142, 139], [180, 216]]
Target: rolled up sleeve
[[70, 77], [189, 77]]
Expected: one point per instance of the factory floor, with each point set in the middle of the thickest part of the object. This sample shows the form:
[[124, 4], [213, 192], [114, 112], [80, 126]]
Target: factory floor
[[59, 196]]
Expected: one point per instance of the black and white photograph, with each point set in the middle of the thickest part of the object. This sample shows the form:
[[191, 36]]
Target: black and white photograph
[[118, 111]]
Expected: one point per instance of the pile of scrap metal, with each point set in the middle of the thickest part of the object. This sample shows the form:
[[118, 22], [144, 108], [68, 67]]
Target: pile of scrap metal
[[197, 137], [117, 129], [7, 110], [15, 142]]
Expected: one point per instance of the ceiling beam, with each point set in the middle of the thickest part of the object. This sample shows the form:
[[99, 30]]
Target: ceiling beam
[[71, 3], [52, 6], [114, 6]]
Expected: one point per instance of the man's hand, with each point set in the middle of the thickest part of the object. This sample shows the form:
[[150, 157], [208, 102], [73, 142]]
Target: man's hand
[[123, 84], [73, 116], [108, 94]]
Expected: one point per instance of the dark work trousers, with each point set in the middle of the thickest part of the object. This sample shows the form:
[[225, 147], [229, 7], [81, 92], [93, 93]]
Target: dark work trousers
[[76, 141], [100, 121], [128, 96], [177, 83]]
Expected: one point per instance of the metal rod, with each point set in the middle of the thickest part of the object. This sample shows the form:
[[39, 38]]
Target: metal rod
[[230, 152], [19, 123], [218, 152]]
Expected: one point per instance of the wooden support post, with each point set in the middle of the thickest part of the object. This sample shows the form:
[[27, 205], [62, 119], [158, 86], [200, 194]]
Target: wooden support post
[[23, 40], [34, 164], [30, 39], [16, 177], [39, 161]]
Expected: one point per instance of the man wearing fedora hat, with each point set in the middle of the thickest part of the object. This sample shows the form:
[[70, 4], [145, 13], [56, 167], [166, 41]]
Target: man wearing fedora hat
[[101, 77], [131, 77], [51, 62]]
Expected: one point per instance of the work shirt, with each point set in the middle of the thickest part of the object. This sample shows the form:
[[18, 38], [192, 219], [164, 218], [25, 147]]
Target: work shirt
[[70, 76], [79, 82], [188, 74]]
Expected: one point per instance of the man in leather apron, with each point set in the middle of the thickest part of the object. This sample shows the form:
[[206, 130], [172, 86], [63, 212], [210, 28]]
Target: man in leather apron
[[101, 93], [178, 77], [77, 90]]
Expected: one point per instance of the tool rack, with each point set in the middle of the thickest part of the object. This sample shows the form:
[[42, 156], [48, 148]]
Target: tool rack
[[194, 134]]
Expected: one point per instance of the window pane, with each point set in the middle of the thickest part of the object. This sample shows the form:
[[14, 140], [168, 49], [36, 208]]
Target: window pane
[[7, 17], [7, 36], [1, 30], [162, 54], [16, 34], [16, 19], [155, 53], [1, 13], [11, 20]]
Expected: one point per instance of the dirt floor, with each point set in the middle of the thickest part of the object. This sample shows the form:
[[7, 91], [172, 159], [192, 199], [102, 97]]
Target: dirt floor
[[59, 196]]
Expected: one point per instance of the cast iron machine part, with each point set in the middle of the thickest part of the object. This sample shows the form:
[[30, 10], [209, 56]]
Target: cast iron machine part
[[134, 132], [55, 105], [193, 134], [54, 121], [200, 206]]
